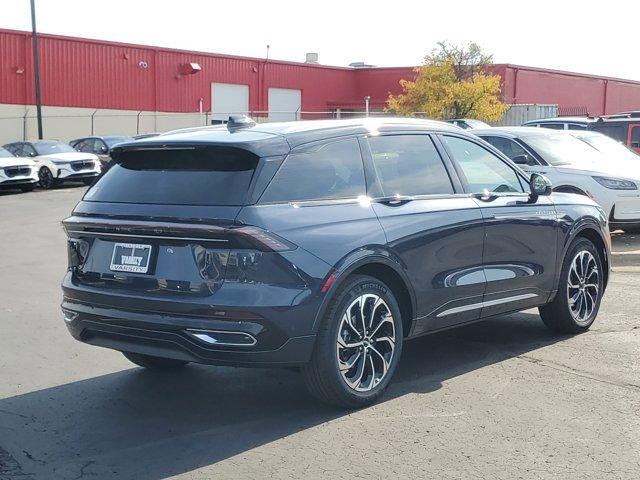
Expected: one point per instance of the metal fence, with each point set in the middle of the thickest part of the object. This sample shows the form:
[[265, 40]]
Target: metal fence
[[64, 124], [518, 114]]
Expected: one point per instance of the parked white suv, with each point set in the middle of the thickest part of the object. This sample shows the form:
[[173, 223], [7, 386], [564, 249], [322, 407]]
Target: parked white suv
[[18, 173], [57, 162], [574, 166]]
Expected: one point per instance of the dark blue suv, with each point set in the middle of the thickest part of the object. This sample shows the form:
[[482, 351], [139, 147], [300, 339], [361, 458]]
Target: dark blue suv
[[322, 245]]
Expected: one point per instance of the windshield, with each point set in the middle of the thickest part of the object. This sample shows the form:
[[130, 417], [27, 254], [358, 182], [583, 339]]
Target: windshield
[[5, 153], [562, 149], [48, 147], [111, 141], [608, 146]]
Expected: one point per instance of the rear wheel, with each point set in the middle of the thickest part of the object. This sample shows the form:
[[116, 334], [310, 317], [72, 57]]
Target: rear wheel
[[46, 178], [358, 345], [577, 302], [154, 363], [28, 188]]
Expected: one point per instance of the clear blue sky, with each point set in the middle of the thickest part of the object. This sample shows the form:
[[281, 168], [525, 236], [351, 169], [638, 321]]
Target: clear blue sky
[[589, 37]]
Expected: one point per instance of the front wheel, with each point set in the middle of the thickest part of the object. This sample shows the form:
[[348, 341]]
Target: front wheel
[[577, 302], [88, 181], [27, 188], [154, 363], [358, 345], [46, 179]]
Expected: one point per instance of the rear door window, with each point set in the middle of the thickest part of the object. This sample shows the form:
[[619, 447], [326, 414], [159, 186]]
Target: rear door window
[[409, 165], [507, 146], [198, 176], [322, 171]]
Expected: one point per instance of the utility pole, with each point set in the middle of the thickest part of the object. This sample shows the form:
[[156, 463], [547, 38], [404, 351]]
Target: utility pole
[[36, 67]]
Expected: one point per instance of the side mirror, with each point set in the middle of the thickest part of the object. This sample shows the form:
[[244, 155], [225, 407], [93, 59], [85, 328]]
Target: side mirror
[[32, 154], [540, 185], [104, 150], [523, 160]]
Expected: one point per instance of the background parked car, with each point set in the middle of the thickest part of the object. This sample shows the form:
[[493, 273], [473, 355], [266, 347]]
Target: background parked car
[[57, 161], [100, 146], [468, 123], [17, 172], [606, 145], [146, 135], [573, 166], [623, 127], [561, 123]]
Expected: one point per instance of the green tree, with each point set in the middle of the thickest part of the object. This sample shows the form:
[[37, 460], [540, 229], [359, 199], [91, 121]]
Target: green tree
[[452, 83]]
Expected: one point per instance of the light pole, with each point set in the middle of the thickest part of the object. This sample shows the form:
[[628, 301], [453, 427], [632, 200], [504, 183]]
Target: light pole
[[36, 67], [366, 105]]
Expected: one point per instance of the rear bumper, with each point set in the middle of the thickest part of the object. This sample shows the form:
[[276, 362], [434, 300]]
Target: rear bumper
[[167, 336]]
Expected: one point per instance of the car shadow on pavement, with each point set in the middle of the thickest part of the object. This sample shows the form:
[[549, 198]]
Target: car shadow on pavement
[[145, 425]]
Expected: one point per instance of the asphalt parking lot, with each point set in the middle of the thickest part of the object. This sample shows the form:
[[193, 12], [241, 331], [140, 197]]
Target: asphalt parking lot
[[503, 399]]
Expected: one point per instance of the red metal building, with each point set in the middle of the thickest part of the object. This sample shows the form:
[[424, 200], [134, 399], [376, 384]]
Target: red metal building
[[98, 74]]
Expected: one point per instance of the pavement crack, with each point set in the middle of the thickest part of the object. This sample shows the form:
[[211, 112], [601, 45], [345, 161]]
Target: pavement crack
[[82, 468], [572, 371]]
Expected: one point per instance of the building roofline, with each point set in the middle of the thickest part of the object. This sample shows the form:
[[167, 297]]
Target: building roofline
[[301, 64], [112, 43], [564, 72]]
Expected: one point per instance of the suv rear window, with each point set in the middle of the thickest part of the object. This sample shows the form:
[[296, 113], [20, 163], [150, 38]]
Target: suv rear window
[[198, 176]]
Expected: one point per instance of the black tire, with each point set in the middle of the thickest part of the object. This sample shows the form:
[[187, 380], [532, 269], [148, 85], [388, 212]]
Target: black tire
[[558, 315], [88, 181], [322, 374], [154, 363], [27, 188], [47, 180]]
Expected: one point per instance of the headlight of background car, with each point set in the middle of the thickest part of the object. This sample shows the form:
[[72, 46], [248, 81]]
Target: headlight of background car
[[616, 183]]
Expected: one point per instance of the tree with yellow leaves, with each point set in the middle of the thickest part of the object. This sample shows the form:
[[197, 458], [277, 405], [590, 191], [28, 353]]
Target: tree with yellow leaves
[[452, 83]]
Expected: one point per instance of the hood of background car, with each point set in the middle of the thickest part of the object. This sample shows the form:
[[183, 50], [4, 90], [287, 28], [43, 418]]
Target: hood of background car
[[69, 156], [15, 162]]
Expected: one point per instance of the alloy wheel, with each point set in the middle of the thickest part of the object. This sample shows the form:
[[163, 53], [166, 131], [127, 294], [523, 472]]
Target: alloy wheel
[[366, 342], [583, 287], [45, 177]]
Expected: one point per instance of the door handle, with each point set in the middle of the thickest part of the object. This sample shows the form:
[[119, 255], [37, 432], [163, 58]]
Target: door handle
[[485, 196], [394, 200]]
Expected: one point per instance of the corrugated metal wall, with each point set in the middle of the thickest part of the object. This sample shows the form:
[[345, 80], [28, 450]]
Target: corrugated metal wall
[[97, 74], [85, 73], [15, 68]]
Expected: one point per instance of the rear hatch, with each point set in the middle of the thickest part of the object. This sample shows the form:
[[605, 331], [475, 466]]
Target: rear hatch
[[161, 223]]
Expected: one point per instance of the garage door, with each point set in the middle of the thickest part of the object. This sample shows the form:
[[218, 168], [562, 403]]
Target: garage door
[[228, 99], [284, 104]]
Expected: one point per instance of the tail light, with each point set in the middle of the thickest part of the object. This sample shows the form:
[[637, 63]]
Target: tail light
[[262, 239], [77, 250]]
